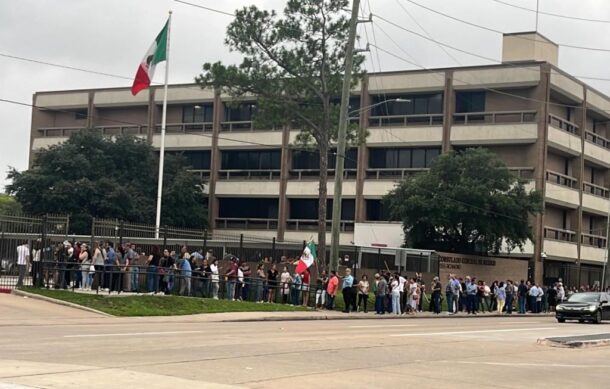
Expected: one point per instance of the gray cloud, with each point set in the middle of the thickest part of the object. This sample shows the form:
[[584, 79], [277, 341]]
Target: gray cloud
[[111, 36]]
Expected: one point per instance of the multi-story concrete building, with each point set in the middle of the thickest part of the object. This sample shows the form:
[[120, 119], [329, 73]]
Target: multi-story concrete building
[[548, 127]]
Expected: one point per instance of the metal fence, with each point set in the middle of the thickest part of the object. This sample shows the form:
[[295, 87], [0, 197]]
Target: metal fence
[[45, 237]]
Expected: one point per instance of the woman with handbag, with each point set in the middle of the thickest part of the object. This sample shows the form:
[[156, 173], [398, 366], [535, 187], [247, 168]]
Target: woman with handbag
[[85, 266]]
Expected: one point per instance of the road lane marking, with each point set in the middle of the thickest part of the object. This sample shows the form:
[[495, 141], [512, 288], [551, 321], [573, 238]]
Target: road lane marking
[[517, 364], [385, 326], [474, 332], [133, 334]]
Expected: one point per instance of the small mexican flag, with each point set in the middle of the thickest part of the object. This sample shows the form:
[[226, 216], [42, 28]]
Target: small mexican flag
[[157, 53], [307, 258]]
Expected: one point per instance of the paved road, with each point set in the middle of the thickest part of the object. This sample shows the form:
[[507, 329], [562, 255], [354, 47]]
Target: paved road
[[48, 346]]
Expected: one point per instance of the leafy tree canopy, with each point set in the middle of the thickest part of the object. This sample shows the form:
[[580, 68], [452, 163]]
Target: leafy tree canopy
[[9, 204], [293, 65], [467, 202], [90, 175]]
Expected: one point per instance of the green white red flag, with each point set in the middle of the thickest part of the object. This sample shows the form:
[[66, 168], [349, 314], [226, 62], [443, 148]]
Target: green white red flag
[[155, 54]]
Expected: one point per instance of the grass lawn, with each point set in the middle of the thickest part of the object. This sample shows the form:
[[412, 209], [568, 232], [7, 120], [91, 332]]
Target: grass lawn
[[158, 305]]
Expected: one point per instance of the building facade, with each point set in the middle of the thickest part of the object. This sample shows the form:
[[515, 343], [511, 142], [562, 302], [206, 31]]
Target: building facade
[[548, 127]]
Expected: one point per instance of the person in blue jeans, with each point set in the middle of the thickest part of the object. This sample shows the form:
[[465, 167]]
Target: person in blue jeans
[[510, 291], [471, 296], [153, 264], [522, 295]]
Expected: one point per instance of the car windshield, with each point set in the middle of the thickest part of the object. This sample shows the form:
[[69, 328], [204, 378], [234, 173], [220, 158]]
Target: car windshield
[[584, 298]]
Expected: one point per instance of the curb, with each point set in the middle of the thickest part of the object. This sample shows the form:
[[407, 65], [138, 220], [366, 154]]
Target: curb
[[574, 344], [384, 317], [34, 296]]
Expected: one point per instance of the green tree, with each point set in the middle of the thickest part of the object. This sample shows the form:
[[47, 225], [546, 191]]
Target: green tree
[[91, 175], [467, 202], [9, 204], [294, 66]]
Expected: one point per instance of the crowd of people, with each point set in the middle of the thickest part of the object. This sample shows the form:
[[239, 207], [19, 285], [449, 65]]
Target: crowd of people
[[126, 268]]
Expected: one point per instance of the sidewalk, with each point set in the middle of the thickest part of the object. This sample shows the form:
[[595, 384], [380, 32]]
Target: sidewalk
[[233, 317]]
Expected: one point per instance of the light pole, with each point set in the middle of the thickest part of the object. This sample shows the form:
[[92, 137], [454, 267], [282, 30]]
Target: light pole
[[340, 162]]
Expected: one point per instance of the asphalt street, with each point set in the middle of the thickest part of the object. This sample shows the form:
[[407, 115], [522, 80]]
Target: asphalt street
[[49, 346]]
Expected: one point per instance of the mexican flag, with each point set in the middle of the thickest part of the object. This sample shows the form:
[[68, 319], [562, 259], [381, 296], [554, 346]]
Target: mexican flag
[[307, 258], [157, 53]]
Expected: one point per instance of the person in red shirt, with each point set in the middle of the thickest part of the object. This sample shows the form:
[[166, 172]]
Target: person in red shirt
[[331, 290], [305, 286]]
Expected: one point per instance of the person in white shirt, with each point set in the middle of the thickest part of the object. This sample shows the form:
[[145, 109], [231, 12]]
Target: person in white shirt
[[214, 277], [23, 257], [403, 296], [533, 295]]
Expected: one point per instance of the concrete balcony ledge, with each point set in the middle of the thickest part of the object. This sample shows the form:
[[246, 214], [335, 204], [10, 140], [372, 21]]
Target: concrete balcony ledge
[[561, 249], [405, 136], [248, 188], [562, 190], [510, 133], [597, 152], [592, 254], [564, 140]]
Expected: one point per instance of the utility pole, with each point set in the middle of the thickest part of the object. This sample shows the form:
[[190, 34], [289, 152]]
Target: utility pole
[[341, 138]]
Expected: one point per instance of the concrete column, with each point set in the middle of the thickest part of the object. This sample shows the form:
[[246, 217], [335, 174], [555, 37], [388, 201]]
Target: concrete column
[[579, 172], [284, 176], [448, 110], [542, 94], [362, 160], [215, 161]]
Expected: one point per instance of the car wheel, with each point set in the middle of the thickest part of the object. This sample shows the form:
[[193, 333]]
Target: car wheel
[[598, 317], [561, 320], [581, 320]]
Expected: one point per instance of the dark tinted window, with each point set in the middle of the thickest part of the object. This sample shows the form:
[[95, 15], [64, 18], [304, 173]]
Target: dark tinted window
[[311, 159], [198, 113], [469, 102], [248, 208], [239, 113], [307, 209], [418, 104], [402, 158], [375, 211], [250, 159], [195, 159]]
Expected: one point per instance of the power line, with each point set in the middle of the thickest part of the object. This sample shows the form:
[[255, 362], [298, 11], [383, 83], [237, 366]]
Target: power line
[[502, 32], [146, 125], [206, 8], [552, 14], [426, 32], [493, 60]]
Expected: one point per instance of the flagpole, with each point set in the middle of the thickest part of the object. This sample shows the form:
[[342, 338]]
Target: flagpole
[[163, 122]]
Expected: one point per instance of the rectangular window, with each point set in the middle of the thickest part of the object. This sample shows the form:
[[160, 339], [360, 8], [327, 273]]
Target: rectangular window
[[80, 114], [375, 211], [307, 209], [469, 102], [419, 158], [402, 158], [411, 104], [250, 159], [255, 208], [310, 160], [197, 113], [241, 113]]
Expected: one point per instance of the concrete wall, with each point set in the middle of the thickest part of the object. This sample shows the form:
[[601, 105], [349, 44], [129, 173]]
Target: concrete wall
[[486, 269]]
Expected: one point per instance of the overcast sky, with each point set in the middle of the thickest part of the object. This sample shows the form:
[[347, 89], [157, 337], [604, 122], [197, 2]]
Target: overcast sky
[[111, 36]]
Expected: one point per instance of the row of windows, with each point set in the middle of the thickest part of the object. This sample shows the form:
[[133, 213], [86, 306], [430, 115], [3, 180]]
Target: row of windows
[[303, 209], [409, 104], [265, 208], [406, 158], [391, 158]]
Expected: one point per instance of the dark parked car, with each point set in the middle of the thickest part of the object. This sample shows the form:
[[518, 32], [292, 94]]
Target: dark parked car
[[593, 306]]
